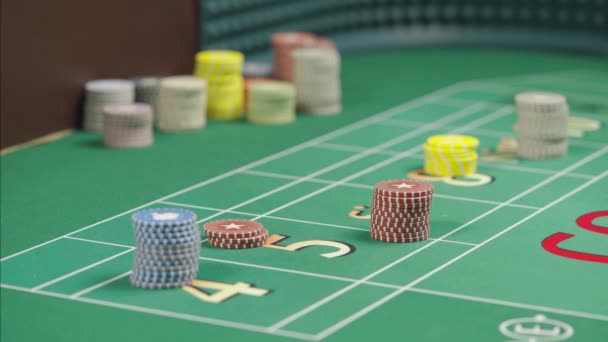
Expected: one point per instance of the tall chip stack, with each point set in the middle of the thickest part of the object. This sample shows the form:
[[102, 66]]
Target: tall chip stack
[[450, 155], [98, 94], [316, 74], [401, 211], [182, 104], [128, 125], [542, 125], [222, 69], [271, 103], [168, 245]]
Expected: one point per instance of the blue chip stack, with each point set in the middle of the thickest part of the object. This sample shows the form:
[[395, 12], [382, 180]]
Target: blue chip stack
[[168, 245]]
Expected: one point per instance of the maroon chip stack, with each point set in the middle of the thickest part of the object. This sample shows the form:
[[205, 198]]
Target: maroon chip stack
[[401, 211], [235, 233]]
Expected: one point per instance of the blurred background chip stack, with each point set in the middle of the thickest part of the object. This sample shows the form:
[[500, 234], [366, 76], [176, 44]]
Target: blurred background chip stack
[[222, 69], [316, 74], [98, 94], [182, 103], [128, 125], [146, 91], [283, 44], [542, 125], [271, 102]]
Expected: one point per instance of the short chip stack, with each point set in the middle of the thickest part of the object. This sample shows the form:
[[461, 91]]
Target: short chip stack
[[182, 104], [316, 74], [168, 244], [235, 233], [128, 125], [542, 125], [100, 93], [401, 211], [223, 71], [271, 103], [450, 155]]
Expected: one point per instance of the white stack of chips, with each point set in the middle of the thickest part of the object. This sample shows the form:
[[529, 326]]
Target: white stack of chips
[[100, 93], [317, 79], [542, 125], [146, 91], [182, 103], [128, 125]]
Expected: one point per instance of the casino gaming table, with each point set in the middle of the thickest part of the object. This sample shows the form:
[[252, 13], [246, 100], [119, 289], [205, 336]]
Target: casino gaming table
[[517, 250]]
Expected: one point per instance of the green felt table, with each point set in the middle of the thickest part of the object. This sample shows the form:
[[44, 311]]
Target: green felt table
[[517, 252]]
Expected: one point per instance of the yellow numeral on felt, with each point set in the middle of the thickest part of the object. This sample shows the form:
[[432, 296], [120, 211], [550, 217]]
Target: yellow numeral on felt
[[343, 248], [225, 291], [358, 211]]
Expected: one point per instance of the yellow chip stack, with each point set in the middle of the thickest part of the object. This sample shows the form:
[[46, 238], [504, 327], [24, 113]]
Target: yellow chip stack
[[450, 155], [222, 69]]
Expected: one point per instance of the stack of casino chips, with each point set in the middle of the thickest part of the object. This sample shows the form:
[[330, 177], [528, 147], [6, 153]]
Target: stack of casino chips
[[271, 103], [98, 94], [450, 155], [542, 125], [168, 244], [146, 91], [235, 233], [222, 69], [128, 125], [401, 211], [257, 70], [284, 43], [248, 82], [182, 104], [316, 74]]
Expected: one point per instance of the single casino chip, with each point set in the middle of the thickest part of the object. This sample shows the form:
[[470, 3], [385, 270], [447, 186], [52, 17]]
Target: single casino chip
[[163, 234], [410, 201], [399, 214], [178, 263], [169, 249], [399, 239], [400, 235], [389, 229], [164, 218], [379, 217], [399, 224], [452, 142], [158, 286], [166, 243], [167, 254], [233, 228], [403, 188], [237, 245], [388, 225], [164, 269], [413, 208], [143, 275], [260, 238]]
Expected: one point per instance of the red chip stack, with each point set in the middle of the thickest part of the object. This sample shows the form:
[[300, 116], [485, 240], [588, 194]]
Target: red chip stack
[[401, 211], [284, 43], [235, 233]]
